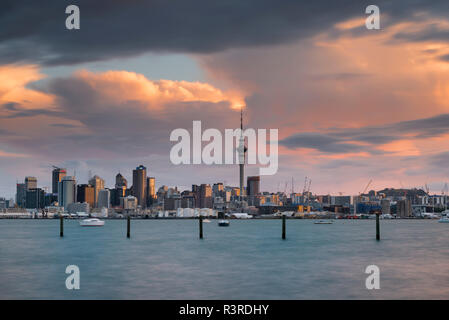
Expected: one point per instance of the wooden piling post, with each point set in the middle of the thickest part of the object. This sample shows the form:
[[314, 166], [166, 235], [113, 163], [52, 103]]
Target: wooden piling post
[[377, 227], [201, 227], [128, 226], [61, 226], [283, 227]]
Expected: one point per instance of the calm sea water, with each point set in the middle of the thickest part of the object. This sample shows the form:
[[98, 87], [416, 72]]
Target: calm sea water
[[249, 260]]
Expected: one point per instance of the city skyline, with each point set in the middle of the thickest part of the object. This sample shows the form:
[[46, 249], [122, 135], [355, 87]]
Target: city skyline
[[350, 104]]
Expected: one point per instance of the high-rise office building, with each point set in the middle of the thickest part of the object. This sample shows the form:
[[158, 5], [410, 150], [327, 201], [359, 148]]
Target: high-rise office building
[[30, 183], [139, 185], [85, 193], [104, 198], [117, 194], [253, 185], [35, 198], [151, 190], [205, 196], [253, 189], [67, 191], [98, 185], [218, 189], [57, 175], [21, 195], [120, 181]]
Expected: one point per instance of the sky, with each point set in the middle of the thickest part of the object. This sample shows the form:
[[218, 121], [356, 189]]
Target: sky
[[350, 104]]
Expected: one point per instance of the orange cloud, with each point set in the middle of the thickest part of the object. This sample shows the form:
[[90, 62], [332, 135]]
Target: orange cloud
[[13, 81], [123, 86]]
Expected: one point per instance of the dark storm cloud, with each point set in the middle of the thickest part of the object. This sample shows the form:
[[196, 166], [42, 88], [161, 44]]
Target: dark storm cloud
[[321, 142], [342, 140], [35, 30], [444, 58], [429, 33], [15, 110], [21, 113], [440, 160]]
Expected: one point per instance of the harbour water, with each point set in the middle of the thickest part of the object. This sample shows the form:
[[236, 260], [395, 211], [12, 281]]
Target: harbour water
[[164, 259]]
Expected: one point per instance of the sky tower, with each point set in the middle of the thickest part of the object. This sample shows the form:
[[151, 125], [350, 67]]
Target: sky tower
[[242, 150]]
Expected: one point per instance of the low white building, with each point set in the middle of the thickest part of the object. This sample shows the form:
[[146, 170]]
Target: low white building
[[76, 207], [129, 203]]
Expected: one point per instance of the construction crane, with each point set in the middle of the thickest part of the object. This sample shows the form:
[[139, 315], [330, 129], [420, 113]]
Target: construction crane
[[308, 192], [305, 186], [366, 188], [444, 193]]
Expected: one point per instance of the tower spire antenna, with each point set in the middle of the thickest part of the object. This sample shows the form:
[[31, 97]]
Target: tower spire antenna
[[241, 117]]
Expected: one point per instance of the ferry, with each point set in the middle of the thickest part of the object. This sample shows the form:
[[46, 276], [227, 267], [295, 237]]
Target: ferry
[[93, 222]]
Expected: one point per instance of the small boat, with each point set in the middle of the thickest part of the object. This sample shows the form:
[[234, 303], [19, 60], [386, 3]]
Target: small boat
[[206, 221], [444, 219], [94, 222], [323, 222], [223, 223]]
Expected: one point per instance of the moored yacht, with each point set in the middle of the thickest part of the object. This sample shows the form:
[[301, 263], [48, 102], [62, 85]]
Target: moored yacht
[[93, 222], [223, 223], [323, 222]]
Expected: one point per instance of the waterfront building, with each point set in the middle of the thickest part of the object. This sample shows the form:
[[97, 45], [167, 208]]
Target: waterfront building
[[139, 185], [117, 194], [86, 193], [253, 185], [253, 189], [21, 195], [385, 204], [344, 201], [205, 196], [67, 191], [129, 203], [173, 202], [188, 199], [57, 175], [78, 207], [98, 184], [51, 199], [35, 198], [217, 189], [3, 204], [404, 208], [104, 199]]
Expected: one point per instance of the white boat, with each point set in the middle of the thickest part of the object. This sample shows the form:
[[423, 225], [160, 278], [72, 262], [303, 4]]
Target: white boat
[[323, 222], [241, 215], [444, 219], [93, 222], [223, 223], [206, 221]]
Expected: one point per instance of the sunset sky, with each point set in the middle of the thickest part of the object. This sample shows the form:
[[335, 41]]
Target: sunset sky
[[351, 104]]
